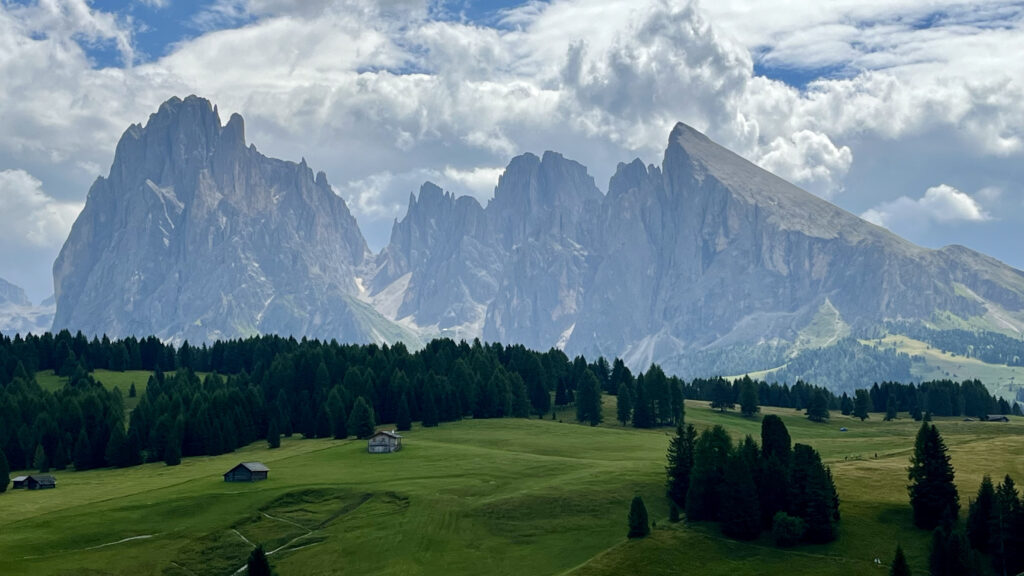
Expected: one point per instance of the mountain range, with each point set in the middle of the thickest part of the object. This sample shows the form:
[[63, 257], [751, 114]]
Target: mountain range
[[706, 262]]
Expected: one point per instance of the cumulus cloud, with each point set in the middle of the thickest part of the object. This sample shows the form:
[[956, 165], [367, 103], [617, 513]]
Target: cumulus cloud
[[940, 204], [30, 217], [385, 95]]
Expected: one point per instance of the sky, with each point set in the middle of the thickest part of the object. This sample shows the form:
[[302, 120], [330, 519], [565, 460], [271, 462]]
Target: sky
[[907, 113]]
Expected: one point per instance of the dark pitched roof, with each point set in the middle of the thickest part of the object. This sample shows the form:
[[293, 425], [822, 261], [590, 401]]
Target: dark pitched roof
[[390, 433], [250, 466], [44, 479], [19, 478], [997, 417]]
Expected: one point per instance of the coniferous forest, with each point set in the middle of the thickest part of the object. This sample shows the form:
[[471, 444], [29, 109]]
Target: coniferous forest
[[213, 399]]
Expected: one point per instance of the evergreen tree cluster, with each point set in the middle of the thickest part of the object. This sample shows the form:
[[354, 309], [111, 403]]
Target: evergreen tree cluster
[[748, 488], [995, 525], [990, 347]]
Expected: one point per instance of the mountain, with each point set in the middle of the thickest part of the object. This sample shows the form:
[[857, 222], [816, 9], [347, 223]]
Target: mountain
[[18, 315], [707, 254], [194, 235], [705, 264]]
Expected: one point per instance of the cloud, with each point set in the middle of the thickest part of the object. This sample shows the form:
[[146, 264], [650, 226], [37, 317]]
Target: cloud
[[940, 204], [29, 217], [480, 181]]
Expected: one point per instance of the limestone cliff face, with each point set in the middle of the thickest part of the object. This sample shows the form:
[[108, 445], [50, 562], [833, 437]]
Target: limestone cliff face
[[195, 236], [705, 251]]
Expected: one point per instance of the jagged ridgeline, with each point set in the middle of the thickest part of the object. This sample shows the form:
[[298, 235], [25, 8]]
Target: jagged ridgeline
[[705, 264]]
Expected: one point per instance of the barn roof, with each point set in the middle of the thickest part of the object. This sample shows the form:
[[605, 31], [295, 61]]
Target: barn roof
[[998, 417], [19, 478], [255, 466], [390, 433], [44, 479]]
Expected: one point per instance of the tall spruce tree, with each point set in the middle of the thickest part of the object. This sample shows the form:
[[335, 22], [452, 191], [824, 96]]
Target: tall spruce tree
[[624, 404], [361, 421], [339, 415], [740, 513], [748, 398], [931, 487], [776, 456], [711, 452], [890, 408], [638, 524], [258, 563], [812, 495], [588, 400], [83, 451], [403, 421], [817, 410], [1007, 530], [273, 434], [899, 566], [979, 516], [861, 404], [430, 416], [845, 405], [722, 396], [5, 471], [680, 463], [643, 412]]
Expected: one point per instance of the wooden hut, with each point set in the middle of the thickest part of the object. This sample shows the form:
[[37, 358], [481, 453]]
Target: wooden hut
[[247, 472], [384, 442], [18, 481], [40, 482]]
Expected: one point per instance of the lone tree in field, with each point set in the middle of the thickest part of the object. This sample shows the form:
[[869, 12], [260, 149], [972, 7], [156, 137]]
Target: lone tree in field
[[899, 564], [638, 526], [5, 472], [361, 421], [861, 402], [931, 487], [680, 464], [258, 565]]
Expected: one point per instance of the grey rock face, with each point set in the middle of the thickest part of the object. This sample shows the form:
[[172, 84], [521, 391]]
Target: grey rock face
[[12, 294], [195, 236], [18, 315], [707, 251]]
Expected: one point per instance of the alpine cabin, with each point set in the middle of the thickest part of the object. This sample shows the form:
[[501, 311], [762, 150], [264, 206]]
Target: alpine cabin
[[247, 472], [40, 482], [384, 442]]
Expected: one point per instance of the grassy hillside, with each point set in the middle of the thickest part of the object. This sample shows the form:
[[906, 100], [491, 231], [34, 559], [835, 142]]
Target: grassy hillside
[[474, 497]]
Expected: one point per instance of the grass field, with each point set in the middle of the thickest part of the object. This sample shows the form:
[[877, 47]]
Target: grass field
[[473, 497]]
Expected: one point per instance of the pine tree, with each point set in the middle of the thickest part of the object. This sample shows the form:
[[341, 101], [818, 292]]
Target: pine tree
[[339, 416], [899, 565], [931, 487], [711, 452], [817, 410], [775, 439], [1006, 529], [258, 563], [680, 463], [323, 422], [361, 421], [624, 404], [748, 398], [860, 404], [131, 391], [273, 434], [5, 472], [588, 400], [643, 414], [740, 512], [40, 462], [403, 421], [951, 553], [117, 447], [638, 525], [890, 408], [83, 451], [845, 405], [430, 415], [812, 495], [979, 516], [172, 454], [721, 396]]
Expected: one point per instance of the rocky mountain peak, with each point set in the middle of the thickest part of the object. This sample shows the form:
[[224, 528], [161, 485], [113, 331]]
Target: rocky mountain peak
[[12, 294]]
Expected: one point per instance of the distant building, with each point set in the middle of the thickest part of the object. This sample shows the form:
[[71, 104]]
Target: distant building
[[40, 482], [997, 418], [18, 481], [384, 442], [247, 472]]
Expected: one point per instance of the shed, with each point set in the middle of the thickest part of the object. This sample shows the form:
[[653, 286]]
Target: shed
[[18, 481], [997, 418], [40, 482], [384, 442], [247, 472]]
